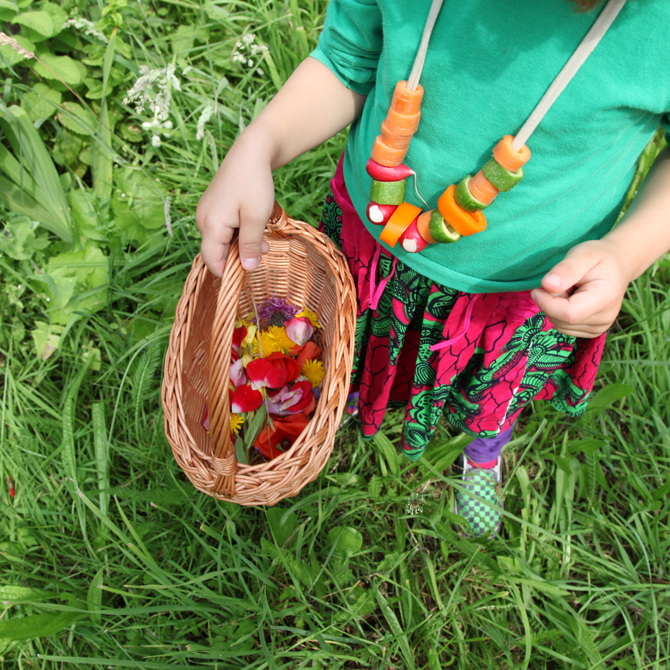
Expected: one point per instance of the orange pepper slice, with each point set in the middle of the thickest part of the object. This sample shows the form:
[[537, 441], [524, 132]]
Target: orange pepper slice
[[466, 223], [510, 159], [399, 222]]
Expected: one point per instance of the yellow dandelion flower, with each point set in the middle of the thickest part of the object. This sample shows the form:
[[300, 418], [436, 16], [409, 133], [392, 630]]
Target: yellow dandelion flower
[[236, 422], [268, 345], [278, 333], [314, 371], [313, 319]]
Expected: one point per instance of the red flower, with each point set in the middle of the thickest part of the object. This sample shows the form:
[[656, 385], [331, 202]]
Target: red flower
[[291, 400], [274, 441], [263, 373], [238, 336], [308, 351], [245, 399], [284, 362]]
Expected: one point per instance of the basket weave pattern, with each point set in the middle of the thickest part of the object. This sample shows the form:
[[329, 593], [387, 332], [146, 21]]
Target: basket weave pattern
[[303, 266]]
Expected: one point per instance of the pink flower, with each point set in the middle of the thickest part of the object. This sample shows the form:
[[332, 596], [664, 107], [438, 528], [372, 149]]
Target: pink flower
[[299, 330], [263, 373], [245, 399], [291, 400], [237, 375]]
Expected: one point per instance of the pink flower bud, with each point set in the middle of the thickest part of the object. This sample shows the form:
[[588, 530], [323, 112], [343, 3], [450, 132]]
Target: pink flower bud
[[299, 330]]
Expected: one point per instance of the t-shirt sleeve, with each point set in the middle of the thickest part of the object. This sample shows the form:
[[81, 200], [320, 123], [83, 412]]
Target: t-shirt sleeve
[[351, 42], [665, 124]]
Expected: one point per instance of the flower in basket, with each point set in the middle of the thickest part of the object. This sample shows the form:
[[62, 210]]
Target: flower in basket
[[275, 440], [299, 330], [291, 400], [275, 373]]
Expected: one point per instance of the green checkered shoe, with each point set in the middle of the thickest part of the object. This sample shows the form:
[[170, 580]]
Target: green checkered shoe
[[480, 486]]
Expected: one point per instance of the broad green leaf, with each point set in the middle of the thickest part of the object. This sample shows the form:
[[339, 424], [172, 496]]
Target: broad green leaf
[[18, 239], [77, 118], [37, 625], [83, 204], [9, 57], [39, 22], [36, 163], [241, 451], [255, 427], [57, 13], [94, 596], [8, 10], [347, 540], [10, 593], [61, 68], [607, 396], [137, 204], [282, 524], [41, 102], [46, 338], [76, 281]]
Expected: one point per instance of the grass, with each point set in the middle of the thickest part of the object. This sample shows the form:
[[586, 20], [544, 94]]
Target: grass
[[110, 559]]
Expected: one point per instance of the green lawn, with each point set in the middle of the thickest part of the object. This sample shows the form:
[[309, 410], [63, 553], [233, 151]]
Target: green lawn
[[109, 558]]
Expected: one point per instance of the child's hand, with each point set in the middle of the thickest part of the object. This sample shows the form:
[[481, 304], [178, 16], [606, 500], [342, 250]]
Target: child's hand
[[600, 276], [241, 195]]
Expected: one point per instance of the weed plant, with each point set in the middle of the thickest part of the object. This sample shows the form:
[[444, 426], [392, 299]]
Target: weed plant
[[110, 559]]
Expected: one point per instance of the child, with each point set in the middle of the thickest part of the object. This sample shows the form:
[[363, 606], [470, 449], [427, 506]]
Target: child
[[479, 328]]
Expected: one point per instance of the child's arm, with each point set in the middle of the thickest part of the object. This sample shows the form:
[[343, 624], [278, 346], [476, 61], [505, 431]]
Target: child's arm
[[312, 106], [602, 269]]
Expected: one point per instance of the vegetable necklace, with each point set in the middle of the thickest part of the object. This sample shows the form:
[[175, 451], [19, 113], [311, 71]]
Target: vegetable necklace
[[459, 208]]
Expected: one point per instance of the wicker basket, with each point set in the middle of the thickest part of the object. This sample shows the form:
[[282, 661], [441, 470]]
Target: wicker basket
[[304, 266]]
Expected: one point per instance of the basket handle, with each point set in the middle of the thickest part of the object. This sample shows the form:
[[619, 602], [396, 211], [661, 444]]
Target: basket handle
[[221, 341]]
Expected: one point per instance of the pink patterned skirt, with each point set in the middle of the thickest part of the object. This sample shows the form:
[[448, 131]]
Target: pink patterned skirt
[[477, 358]]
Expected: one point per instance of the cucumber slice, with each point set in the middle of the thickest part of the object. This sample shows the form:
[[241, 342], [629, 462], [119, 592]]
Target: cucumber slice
[[441, 231], [465, 199], [502, 179], [388, 192]]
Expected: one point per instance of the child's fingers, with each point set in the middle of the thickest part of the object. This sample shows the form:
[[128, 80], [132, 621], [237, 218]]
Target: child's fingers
[[252, 227], [214, 256]]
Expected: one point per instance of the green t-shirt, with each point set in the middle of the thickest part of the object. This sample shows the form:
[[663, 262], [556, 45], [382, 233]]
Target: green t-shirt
[[488, 64]]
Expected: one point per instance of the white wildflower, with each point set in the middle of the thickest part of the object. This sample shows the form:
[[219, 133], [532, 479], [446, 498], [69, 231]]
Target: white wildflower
[[246, 48], [206, 115], [166, 212], [87, 27], [11, 42], [155, 141], [142, 93]]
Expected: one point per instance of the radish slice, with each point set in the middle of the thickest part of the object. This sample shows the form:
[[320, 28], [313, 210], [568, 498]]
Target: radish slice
[[382, 173], [380, 214], [411, 239]]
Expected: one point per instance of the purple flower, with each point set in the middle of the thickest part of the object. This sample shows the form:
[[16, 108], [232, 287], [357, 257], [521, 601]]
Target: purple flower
[[276, 312]]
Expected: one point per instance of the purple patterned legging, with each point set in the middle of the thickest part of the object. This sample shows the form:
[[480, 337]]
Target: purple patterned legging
[[484, 450]]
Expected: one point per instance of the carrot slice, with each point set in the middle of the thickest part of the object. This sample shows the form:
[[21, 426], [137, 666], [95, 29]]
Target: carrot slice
[[399, 222], [466, 223], [510, 159], [393, 139], [402, 124], [405, 101], [423, 223], [386, 155], [482, 189]]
